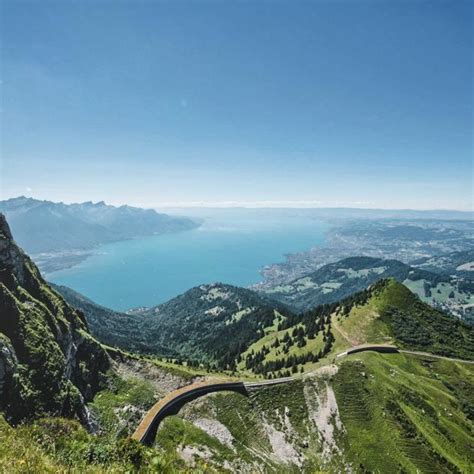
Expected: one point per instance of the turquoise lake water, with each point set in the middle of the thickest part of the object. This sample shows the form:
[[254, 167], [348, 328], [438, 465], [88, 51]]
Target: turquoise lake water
[[228, 247]]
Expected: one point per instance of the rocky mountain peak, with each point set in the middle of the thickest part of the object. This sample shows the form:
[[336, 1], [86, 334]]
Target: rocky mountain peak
[[11, 257]]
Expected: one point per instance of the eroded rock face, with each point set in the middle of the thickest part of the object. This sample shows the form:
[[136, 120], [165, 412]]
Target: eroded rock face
[[8, 365], [11, 257], [49, 363]]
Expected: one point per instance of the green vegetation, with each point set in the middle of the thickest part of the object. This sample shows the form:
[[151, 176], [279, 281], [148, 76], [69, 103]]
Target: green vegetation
[[443, 282], [455, 296], [368, 413], [49, 363], [386, 312], [392, 413], [417, 326], [337, 281], [53, 445], [224, 328], [120, 408], [404, 414], [207, 326], [110, 327], [389, 312]]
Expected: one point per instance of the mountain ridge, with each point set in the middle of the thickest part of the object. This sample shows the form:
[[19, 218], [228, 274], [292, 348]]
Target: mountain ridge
[[49, 363], [338, 280], [46, 226]]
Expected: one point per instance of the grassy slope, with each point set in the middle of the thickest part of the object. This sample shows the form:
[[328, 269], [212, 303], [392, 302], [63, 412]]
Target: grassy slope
[[387, 313], [61, 445], [393, 314], [400, 413], [55, 363], [415, 325], [312, 345], [56, 445], [406, 414]]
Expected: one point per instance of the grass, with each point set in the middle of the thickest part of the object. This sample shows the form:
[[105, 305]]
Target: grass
[[177, 433], [180, 370], [121, 406], [363, 325], [56, 445], [400, 414]]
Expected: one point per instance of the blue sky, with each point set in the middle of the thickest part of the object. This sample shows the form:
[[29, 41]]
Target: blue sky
[[338, 103]]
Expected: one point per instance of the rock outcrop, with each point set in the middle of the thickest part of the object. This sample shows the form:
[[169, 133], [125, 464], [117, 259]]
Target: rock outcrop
[[49, 363]]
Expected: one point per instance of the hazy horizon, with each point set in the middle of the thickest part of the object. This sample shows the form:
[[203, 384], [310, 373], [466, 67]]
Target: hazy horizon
[[275, 205]]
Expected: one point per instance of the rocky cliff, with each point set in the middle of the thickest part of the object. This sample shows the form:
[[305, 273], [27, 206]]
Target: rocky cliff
[[49, 363]]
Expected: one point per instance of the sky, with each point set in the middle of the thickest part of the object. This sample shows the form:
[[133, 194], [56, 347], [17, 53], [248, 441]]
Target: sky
[[226, 103]]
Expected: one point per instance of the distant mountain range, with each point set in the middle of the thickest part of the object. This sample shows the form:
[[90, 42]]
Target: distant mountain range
[[45, 226]]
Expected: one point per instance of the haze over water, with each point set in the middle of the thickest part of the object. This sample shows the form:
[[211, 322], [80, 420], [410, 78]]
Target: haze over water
[[230, 247]]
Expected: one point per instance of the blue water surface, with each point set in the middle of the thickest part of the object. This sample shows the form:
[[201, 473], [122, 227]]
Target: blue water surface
[[228, 247]]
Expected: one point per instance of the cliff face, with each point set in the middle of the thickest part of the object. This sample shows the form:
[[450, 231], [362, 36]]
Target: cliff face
[[49, 363]]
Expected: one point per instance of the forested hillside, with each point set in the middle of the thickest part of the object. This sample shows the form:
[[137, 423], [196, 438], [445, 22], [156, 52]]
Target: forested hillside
[[229, 328]]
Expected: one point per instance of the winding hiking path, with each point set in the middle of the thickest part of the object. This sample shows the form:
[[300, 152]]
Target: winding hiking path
[[174, 401], [388, 348], [435, 356]]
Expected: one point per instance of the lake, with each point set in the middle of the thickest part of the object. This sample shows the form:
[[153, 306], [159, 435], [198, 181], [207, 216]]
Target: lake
[[231, 247]]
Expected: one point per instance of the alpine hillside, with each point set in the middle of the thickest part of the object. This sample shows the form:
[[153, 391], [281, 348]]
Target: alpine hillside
[[49, 363]]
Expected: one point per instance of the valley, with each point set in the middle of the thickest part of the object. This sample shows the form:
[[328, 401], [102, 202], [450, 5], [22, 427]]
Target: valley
[[307, 398]]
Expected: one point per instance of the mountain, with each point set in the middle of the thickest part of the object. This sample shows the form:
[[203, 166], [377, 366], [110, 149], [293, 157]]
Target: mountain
[[385, 313], [460, 264], [44, 226], [367, 412], [335, 281], [389, 312], [210, 323], [49, 363], [229, 327], [114, 328]]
